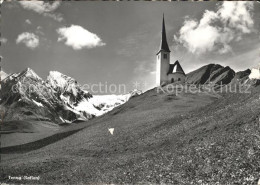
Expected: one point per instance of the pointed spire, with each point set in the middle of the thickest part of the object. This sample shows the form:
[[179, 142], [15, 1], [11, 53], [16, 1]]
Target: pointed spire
[[164, 45]]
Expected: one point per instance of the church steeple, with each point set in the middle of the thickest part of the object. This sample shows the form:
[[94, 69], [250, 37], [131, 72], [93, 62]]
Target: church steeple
[[165, 71], [164, 45]]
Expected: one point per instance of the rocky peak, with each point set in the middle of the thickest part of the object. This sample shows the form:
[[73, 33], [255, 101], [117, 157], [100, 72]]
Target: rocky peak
[[29, 73], [211, 73], [67, 87], [57, 79]]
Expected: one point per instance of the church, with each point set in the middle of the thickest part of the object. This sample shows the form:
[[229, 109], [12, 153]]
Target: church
[[165, 72]]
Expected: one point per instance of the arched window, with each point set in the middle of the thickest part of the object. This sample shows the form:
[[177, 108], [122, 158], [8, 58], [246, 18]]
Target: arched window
[[179, 79], [165, 56], [172, 80]]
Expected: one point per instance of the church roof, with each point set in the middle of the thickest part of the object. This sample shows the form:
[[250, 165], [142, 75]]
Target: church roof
[[176, 67], [164, 45]]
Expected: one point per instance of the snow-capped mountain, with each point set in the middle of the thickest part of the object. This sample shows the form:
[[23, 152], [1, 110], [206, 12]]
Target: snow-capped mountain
[[59, 99], [105, 103], [26, 96], [67, 88]]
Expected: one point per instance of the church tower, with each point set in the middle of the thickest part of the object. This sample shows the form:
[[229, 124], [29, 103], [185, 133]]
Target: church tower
[[163, 59]]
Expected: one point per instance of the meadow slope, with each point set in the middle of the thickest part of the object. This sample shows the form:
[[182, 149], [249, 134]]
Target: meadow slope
[[158, 138]]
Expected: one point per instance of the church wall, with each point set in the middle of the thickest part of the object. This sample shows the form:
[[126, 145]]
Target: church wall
[[158, 72], [176, 76], [162, 68]]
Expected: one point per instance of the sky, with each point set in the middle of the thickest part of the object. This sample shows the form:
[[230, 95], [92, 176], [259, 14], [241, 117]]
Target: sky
[[116, 42]]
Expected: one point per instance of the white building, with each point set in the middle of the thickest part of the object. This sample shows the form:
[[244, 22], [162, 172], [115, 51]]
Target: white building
[[166, 72]]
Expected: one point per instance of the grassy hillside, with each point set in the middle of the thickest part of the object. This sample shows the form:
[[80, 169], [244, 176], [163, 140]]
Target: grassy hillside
[[19, 133], [158, 138]]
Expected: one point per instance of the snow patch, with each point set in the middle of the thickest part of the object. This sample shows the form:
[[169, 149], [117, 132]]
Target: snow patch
[[64, 98], [66, 83], [3, 75], [56, 79], [37, 103], [111, 130], [255, 73], [88, 107], [108, 102], [64, 120], [101, 104]]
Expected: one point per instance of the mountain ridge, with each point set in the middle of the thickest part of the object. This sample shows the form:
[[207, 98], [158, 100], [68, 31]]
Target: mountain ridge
[[216, 74], [62, 99], [27, 96]]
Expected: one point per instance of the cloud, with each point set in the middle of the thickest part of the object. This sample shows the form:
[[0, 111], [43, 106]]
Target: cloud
[[237, 15], [3, 40], [225, 49], [28, 21], [216, 30], [77, 37], [29, 39], [57, 17], [43, 8], [40, 6]]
